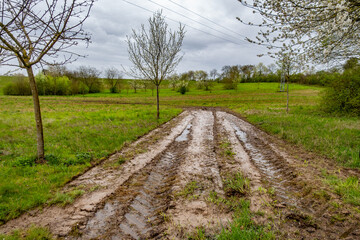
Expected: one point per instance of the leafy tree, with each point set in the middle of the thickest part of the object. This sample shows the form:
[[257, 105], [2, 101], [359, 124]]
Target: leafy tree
[[202, 80], [155, 52], [320, 30], [89, 76], [351, 63], [231, 76], [113, 78], [33, 31], [173, 80], [135, 84]]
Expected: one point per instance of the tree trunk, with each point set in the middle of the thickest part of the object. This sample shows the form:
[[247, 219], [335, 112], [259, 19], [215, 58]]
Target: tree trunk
[[157, 102], [38, 120], [287, 95]]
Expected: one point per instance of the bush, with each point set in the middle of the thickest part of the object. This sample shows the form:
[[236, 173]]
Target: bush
[[343, 95], [20, 87], [182, 90], [48, 85]]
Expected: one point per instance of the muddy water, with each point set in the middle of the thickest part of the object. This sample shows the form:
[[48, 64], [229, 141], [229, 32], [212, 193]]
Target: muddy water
[[135, 212], [268, 162]]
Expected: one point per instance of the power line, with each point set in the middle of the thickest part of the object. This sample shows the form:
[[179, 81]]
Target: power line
[[226, 28], [169, 9], [228, 40]]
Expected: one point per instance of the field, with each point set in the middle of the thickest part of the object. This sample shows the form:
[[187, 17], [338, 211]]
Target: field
[[81, 131]]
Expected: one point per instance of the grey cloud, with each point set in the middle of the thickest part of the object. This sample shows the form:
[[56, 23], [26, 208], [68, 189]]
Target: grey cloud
[[111, 21]]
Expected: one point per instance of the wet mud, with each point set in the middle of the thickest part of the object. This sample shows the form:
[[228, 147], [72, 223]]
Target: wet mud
[[298, 205], [162, 190]]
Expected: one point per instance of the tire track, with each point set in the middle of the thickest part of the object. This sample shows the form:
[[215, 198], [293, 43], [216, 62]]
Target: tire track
[[135, 211]]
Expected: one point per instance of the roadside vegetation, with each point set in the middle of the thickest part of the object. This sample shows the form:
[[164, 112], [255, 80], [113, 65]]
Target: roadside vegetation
[[78, 134], [81, 129]]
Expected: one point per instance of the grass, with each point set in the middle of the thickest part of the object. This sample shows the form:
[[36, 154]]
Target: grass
[[82, 129], [33, 233], [348, 189], [76, 134], [189, 190], [242, 225], [236, 185]]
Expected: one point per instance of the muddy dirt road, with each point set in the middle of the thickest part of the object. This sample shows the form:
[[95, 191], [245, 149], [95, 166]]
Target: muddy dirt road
[[162, 189]]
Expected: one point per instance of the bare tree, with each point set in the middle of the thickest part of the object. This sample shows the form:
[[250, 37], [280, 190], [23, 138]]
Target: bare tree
[[155, 53], [288, 63], [32, 31], [214, 74], [113, 78]]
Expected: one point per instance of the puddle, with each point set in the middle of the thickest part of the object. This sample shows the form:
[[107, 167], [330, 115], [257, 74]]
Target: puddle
[[138, 216], [184, 135], [265, 160]]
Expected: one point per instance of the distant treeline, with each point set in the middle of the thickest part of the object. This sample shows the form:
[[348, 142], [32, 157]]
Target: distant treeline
[[342, 94]]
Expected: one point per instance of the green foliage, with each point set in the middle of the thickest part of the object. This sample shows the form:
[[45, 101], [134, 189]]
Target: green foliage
[[20, 87], [48, 85], [24, 162], [182, 90], [343, 96]]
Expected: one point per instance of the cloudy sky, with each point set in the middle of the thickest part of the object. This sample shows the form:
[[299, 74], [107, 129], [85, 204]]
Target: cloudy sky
[[214, 37]]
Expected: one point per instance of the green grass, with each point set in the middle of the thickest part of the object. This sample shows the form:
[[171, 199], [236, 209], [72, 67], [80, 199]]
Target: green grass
[[236, 185], [242, 225], [33, 233], [189, 190], [333, 136], [82, 129], [76, 133], [348, 189]]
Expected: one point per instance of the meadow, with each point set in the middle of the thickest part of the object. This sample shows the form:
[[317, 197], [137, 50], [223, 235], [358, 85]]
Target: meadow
[[82, 129]]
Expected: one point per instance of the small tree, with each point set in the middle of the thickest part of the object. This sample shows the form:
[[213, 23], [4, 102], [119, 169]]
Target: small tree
[[113, 78], [173, 80], [135, 84], [288, 64], [155, 53], [31, 30], [89, 76], [231, 76], [214, 75]]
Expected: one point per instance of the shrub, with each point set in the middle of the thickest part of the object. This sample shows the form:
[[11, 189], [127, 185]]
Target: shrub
[[343, 95], [183, 86], [24, 162], [48, 85], [20, 87], [182, 90]]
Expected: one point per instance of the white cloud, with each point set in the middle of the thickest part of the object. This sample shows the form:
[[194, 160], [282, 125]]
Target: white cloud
[[111, 21]]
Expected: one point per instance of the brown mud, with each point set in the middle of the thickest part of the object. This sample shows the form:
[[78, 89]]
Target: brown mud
[[162, 189]]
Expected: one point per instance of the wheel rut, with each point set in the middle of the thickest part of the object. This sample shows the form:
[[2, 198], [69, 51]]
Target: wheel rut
[[299, 208], [136, 210]]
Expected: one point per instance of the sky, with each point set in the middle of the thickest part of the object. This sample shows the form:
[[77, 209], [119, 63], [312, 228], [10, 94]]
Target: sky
[[214, 37]]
